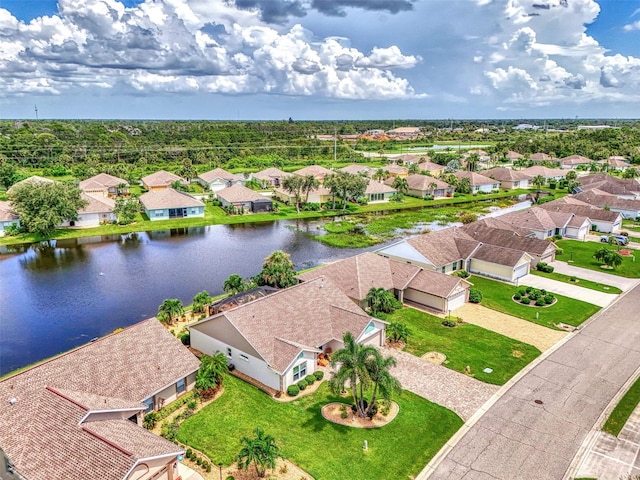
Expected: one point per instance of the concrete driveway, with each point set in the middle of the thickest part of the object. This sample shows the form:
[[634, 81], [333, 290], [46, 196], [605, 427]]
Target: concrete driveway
[[622, 283], [539, 424], [572, 291]]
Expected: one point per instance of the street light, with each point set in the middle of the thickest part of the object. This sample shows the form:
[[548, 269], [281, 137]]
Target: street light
[[220, 467]]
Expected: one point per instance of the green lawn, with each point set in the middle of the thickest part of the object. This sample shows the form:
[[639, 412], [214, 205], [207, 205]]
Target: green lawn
[[324, 449], [623, 410], [466, 345], [497, 296], [561, 277], [582, 255]]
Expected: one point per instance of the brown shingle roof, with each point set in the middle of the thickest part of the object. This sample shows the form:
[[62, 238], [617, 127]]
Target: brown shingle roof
[[506, 174], [601, 199], [475, 178], [396, 169], [162, 178], [216, 173], [444, 246], [168, 198], [101, 180], [97, 204], [499, 255], [588, 211], [430, 167], [536, 219], [356, 169], [507, 238], [609, 184], [239, 194], [575, 160], [6, 214], [270, 174], [436, 283], [544, 171], [41, 433]]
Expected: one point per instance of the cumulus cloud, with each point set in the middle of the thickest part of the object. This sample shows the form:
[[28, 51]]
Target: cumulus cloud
[[183, 46], [630, 27]]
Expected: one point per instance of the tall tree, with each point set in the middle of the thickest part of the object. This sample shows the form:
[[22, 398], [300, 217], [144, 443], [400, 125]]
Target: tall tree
[[235, 284], [44, 206], [169, 309], [211, 373], [126, 209], [380, 300], [294, 184], [472, 162], [378, 369], [400, 184], [309, 183], [277, 271], [261, 451], [200, 301]]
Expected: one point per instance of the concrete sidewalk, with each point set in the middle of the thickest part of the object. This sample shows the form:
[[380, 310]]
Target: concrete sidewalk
[[572, 291], [622, 283]]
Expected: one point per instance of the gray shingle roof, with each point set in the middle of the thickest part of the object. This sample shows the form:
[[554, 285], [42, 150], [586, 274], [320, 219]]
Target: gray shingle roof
[[162, 178], [101, 180], [240, 194], [168, 198]]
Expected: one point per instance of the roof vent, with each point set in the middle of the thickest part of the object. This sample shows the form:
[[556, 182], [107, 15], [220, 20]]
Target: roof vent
[[13, 401]]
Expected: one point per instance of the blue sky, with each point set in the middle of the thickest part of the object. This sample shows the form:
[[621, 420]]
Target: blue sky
[[319, 59]]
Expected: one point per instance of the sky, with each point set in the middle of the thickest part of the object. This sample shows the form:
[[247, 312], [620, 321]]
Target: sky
[[319, 59]]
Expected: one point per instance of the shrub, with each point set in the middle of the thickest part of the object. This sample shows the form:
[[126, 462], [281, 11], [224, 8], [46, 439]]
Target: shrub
[[461, 273], [185, 338], [522, 292], [319, 374], [310, 379], [189, 453], [230, 477], [344, 414], [293, 390], [525, 301], [543, 292], [517, 296], [528, 289], [475, 295], [540, 302], [448, 323], [559, 251], [557, 236], [573, 278], [199, 461], [150, 420], [548, 299], [533, 296], [385, 407], [207, 467], [192, 405], [302, 385]]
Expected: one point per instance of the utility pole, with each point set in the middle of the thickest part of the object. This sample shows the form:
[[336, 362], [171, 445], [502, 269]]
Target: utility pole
[[36, 107], [335, 144]]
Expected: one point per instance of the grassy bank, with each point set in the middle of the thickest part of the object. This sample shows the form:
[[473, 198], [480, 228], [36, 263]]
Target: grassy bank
[[623, 410]]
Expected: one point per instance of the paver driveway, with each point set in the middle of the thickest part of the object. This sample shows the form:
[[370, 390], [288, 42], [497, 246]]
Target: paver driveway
[[455, 391]]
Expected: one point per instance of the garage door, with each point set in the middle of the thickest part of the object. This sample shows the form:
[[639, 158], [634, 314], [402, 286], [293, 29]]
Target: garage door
[[521, 271], [426, 299], [457, 300]]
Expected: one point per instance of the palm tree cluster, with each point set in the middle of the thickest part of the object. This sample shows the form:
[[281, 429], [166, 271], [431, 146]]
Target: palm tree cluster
[[610, 258], [261, 451], [380, 300], [277, 271], [170, 309], [210, 375], [346, 186], [299, 186], [365, 370]]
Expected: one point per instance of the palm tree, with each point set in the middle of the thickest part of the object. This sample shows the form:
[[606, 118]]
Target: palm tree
[[538, 181], [261, 451], [472, 162], [613, 259], [294, 185], [400, 184], [398, 332], [170, 309], [234, 284], [309, 183], [380, 300], [383, 382], [571, 175], [381, 175], [414, 168], [211, 373], [200, 301], [277, 271], [600, 254], [353, 369]]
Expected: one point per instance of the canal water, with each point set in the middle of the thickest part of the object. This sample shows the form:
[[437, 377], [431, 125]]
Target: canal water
[[56, 298]]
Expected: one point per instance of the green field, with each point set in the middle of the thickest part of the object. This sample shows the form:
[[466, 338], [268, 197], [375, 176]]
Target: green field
[[326, 450], [581, 254], [465, 345]]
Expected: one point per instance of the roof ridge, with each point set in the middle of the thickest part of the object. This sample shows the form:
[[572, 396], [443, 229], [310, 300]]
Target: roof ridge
[[67, 398]]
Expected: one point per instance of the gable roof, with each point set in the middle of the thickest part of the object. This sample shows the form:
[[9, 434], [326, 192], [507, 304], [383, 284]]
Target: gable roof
[[506, 174], [444, 246], [495, 223], [356, 169], [588, 211], [609, 184], [97, 204], [219, 173], [511, 155], [315, 170], [304, 316], [101, 181], [42, 431], [542, 157], [499, 255], [378, 187], [430, 167], [506, 238], [394, 169], [575, 160], [544, 171], [239, 193], [601, 199], [162, 178], [423, 182], [32, 180], [475, 179], [537, 219], [168, 198], [271, 173]]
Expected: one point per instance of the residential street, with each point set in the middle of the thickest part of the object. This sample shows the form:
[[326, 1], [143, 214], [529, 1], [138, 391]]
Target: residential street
[[536, 428]]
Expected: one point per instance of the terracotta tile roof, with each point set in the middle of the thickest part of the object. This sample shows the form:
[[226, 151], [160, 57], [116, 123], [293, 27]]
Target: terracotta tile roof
[[41, 432], [239, 194], [408, 158], [310, 313], [97, 204], [315, 170], [506, 174], [6, 212], [162, 178], [423, 183], [270, 174], [617, 162], [168, 198], [34, 179], [216, 173], [102, 180], [355, 169], [378, 187], [499, 255], [475, 179]]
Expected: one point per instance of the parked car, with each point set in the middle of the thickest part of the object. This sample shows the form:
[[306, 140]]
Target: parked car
[[619, 239]]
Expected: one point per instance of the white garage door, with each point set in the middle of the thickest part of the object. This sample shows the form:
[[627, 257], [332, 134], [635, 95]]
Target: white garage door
[[521, 271], [457, 300]]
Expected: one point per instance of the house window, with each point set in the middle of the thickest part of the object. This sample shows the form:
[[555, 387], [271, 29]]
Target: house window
[[244, 357], [228, 351], [454, 266], [299, 371], [149, 404], [159, 213], [444, 268], [180, 386]]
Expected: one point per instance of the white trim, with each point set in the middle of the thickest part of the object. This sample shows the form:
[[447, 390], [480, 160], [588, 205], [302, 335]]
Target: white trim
[[146, 459], [90, 412]]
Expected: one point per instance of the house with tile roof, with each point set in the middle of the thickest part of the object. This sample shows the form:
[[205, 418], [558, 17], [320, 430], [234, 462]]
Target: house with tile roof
[[377, 192], [317, 195], [628, 188], [478, 182], [104, 184], [396, 170], [574, 161], [7, 217], [452, 249], [601, 220], [616, 162], [540, 157], [244, 199], [161, 180], [509, 179], [317, 171], [277, 339], [511, 155], [359, 169], [169, 204], [98, 210], [424, 186], [548, 174], [626, 207], [545, 223], [218, 178], [271, 177], [431, 168], [79, 415], [412, 284]]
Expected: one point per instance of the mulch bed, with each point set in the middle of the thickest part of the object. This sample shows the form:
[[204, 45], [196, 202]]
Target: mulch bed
[[332, 413]]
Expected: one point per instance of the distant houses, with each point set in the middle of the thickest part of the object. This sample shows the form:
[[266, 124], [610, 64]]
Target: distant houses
[[218, 179], [161, 180], [7, 217]]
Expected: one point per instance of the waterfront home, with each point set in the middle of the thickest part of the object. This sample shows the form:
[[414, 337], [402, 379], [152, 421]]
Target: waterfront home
[[411, 284], [478, 182], [316, 171], [377, 192], [104, 184], [277, 339], [79, 415], [217, 179], [317, 195], [169, 203], [431, 168], [98, 210], [7, 217], [509, 179], [271, 177], [244, 199], [161, 180], [424, 186]]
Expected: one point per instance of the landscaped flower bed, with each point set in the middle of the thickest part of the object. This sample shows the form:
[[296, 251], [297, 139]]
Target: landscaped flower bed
[[534, 297]]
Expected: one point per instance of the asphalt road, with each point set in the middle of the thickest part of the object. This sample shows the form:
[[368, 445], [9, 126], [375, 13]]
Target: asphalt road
[[536, 428]]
